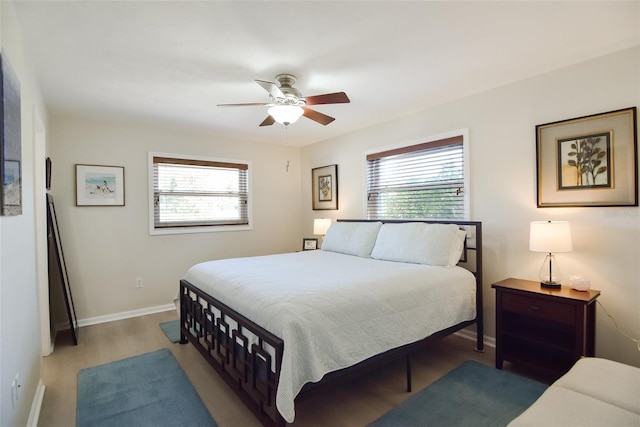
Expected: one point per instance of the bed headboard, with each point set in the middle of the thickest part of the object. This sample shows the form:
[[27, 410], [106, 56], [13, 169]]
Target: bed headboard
[[471, 258]]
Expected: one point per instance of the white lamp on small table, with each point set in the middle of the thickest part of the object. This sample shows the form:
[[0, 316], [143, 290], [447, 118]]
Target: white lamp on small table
[[550, 237]]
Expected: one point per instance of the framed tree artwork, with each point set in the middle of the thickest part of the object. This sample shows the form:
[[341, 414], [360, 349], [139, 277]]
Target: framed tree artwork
[[324, 186], [588, 161]]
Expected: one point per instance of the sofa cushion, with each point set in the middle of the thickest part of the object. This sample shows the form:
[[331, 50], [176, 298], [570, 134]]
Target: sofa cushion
[[595, 392], [612, 382], [561, 407]]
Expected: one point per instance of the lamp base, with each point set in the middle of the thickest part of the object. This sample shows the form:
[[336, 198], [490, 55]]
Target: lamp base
[[551, 285]]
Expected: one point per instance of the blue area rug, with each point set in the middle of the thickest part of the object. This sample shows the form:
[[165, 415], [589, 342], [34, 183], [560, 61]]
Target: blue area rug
[[146, 390], [171, 329], [472, 394]]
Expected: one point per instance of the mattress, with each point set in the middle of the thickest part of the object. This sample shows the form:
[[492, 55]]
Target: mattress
[[334, 310]]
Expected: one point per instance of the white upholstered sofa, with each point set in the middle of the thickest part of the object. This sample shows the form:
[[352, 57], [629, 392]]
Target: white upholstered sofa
[[595, 392]]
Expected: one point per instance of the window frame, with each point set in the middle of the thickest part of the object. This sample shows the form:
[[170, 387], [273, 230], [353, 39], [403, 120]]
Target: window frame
[[202, 228], [464, 133]]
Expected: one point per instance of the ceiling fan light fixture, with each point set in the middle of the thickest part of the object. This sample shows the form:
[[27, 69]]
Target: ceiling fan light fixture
[[286, 114]]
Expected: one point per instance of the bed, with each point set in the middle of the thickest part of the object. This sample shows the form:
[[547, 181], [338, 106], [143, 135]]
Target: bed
[[277, 326]]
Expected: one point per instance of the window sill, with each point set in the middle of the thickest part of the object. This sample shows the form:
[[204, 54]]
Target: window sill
[[205, 229]]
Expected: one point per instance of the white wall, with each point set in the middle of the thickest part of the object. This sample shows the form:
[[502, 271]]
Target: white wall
[[501, 125], [107, 248], [19, 311]]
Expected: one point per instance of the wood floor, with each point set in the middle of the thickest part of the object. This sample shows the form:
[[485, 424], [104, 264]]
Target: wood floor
[[355, 404]]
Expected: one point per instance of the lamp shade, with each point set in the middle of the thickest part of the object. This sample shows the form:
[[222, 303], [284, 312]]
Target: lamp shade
[[550, 236], [286, 114], [321, 225]]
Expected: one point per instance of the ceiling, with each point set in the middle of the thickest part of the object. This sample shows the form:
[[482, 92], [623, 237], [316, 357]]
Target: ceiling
[[173, 61]]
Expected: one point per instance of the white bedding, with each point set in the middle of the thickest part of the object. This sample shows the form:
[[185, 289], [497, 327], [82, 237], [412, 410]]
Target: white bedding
[[334, 310]]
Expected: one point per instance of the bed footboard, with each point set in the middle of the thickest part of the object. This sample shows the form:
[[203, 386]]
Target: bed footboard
[[247, 356]]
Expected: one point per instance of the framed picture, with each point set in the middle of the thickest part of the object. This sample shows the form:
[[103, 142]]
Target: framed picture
[[47, 173], [324, 186], [588, 161], [10, 141], [309, 244], [99, 185]]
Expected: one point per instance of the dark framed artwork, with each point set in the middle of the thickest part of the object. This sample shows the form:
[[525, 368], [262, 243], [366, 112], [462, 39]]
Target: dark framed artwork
[[47, 173], [10, 141], [324, 186], [99, 185], [588, 161], [309, 244]]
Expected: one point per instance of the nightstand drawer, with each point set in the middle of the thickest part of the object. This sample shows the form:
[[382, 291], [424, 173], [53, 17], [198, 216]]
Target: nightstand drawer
[[538, 308]]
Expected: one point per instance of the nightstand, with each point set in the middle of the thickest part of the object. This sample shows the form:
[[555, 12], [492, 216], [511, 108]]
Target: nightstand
[[547, 329]]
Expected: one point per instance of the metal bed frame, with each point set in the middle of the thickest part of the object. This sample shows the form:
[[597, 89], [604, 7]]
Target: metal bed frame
[[249, 358]]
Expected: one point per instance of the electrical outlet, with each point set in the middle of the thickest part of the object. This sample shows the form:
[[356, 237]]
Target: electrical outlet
[[138, 282]]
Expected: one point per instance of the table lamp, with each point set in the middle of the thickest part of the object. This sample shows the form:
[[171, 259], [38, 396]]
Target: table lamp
[[550, 237], [321, 225]]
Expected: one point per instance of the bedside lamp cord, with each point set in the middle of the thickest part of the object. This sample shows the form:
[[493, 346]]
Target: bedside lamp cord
[[635, 340]]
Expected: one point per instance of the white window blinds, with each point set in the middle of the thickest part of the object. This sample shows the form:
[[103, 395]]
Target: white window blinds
[[419, 181], [196, 193]]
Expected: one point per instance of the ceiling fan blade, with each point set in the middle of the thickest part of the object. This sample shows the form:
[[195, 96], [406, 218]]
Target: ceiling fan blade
[[317, 116], [272, 88], [268, 121], [328, 98]]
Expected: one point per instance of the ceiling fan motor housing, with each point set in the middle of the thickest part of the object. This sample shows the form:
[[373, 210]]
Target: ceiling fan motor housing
[[285, 80], [292, 95]]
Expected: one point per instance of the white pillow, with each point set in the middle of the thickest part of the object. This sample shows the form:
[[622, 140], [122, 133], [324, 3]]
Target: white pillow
[[457, 248], [351, 238], [420, 243], [404, 242]]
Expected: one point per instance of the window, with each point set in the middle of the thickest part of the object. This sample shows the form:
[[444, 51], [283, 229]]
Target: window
[[197, 194], [419, 181]]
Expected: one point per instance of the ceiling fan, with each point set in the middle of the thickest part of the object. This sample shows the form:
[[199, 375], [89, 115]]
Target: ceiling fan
[[286, 103]]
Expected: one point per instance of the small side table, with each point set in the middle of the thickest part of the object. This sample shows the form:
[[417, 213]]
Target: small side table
[[547, 329]]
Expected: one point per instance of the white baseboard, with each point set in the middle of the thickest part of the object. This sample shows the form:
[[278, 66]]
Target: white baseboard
[[471, 335], [36, 405], [126, 315], [117, 316]]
